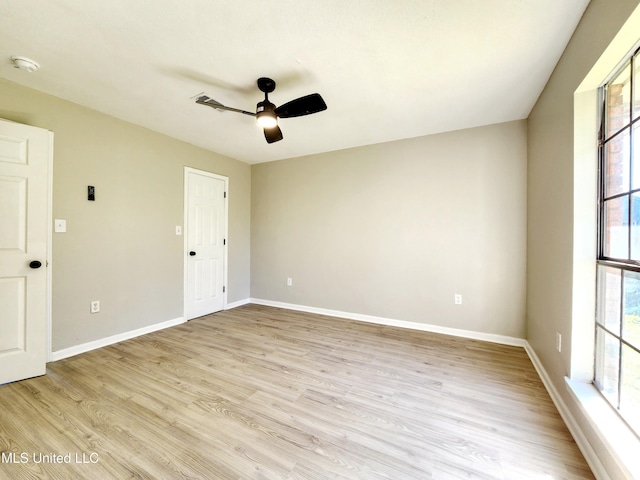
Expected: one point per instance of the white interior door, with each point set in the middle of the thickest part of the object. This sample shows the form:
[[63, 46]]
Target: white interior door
[[205, 242], [24, 219]]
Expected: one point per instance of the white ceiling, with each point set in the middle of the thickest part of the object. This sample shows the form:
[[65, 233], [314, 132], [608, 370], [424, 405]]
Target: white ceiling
[[387, 69]]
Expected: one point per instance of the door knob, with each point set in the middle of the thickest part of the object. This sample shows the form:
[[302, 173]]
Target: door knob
[[35, 264], [192, 253]]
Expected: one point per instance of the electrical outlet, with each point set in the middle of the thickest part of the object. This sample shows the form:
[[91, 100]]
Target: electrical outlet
[[457, 299], [289, 281], [558, 341], [95, 306]]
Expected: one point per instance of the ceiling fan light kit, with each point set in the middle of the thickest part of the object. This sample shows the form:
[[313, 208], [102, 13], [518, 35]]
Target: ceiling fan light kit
[[267, 113]]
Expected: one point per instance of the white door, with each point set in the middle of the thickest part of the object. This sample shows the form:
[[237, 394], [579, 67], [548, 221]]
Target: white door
[[24, 219], [205, 242]]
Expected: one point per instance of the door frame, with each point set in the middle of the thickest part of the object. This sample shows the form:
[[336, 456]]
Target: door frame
[[49, 264], [185, 231]]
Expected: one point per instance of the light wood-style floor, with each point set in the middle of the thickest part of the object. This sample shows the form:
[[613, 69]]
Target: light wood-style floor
[[265, 393]]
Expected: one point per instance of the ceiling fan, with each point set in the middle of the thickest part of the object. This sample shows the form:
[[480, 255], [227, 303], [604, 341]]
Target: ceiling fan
[[267, 113]]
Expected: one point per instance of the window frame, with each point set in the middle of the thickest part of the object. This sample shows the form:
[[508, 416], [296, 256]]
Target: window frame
[[628, 264]]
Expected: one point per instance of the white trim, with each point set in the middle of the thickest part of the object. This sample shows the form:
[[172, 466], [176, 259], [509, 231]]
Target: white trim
[[425, 327], [185, 230], [120, 337], [237, 304], [585, 198], [614, 434], [49, 260], [619, 440], [581, 440]]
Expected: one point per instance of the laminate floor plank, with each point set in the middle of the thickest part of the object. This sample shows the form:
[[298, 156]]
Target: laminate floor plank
[[265, 393]]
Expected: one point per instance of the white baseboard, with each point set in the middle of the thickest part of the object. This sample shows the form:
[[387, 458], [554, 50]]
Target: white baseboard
[[585, 447], [425, 327], [239, 303], [103, 342]]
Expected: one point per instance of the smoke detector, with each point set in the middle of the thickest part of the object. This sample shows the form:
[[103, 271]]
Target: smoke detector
[[24, 63]]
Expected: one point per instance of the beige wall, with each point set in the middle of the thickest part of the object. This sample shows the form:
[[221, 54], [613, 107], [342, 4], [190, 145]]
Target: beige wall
[[558, 231], [395, 230], [122, 249]]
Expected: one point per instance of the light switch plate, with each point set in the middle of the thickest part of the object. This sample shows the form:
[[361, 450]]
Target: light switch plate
[[60, 226]]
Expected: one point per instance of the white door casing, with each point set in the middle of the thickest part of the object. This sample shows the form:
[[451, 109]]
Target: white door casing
[[25, 220], [205, 242]]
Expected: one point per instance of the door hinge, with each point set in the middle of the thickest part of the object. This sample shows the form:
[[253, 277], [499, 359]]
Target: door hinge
[[224, 241], [225, 194], [224, 289]]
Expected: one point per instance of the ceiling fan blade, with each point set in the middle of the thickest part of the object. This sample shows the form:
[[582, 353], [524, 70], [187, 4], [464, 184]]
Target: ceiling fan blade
[[301, 106], [210, 102], [273, 134]]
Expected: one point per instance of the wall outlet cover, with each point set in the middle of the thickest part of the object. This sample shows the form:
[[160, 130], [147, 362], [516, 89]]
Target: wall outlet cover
[[60, 225]]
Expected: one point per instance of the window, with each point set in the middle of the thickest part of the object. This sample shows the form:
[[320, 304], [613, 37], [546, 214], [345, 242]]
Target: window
[[617, 344]]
